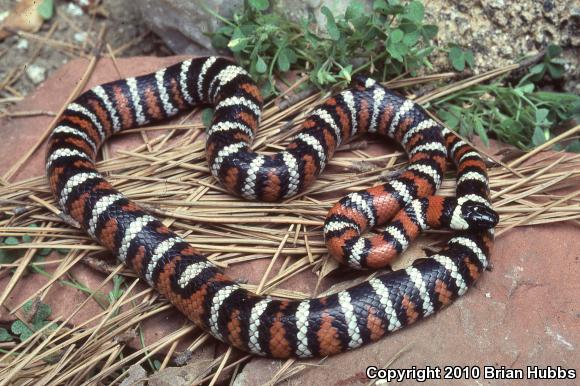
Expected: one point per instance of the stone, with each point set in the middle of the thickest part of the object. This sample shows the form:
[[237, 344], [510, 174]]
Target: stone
[[136, 376], [22, 44], [493, 26], [183, 25], [81, 37], [36, 73], [180, 376], [74, 10]]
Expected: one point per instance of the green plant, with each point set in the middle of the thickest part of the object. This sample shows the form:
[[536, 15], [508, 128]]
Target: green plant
[[390, 40], [5, 335], [519, 115], [116, 293], [11, 255], [46, 9], [37, 314], [459, 57], [552, 64]]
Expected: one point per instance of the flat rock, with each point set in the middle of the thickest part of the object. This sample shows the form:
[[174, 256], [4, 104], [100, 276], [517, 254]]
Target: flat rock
[[526, 311]]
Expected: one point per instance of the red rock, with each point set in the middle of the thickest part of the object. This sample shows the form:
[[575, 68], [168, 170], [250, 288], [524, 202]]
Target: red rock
[[525, 312]]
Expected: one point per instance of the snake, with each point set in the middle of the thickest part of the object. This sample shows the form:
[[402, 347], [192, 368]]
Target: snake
[[259, 324]]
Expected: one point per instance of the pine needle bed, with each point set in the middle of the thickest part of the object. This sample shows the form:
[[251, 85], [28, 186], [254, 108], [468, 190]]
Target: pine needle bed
[[169, 176]]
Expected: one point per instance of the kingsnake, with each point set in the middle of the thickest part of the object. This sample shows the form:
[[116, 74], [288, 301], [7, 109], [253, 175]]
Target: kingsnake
[[258, 324]]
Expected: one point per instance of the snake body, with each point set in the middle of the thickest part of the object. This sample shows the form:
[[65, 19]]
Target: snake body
[[263, 325]]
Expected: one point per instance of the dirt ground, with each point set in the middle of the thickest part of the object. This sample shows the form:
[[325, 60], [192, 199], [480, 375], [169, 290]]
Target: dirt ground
[[25, 61]]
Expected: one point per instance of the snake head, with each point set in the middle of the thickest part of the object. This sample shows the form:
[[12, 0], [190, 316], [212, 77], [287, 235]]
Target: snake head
[[479, 216], [363, 82]]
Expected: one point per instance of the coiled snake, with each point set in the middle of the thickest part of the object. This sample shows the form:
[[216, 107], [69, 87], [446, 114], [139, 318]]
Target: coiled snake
[[257, 324]]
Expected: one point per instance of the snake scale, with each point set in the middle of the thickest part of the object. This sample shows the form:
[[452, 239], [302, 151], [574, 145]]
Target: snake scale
[[213, 301]]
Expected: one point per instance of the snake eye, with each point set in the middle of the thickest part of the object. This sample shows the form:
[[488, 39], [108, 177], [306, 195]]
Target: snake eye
[[479, 216]]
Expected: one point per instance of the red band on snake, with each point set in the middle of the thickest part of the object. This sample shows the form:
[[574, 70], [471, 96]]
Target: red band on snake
[[263, 325]]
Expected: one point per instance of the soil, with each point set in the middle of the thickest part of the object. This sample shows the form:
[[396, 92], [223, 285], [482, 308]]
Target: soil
[[502, 31], [29, 61]]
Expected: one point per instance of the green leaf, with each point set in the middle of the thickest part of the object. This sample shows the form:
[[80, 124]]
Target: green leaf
[[219, 41], [42, 312], [5, 335], [538, 68], [354, 11], [457, 58], [238, 41], [225, 30], [331, 27], [573, 147], [560, 61], [415, 11], [46, 9], [207, 116], [11, 240], [450, 119], [411, 38], [261, 66], [267, 90], [320, 77], [395, 52], [283, 61], [554, 50], [380, 5], [539, 136], [329, 77], [541, 115], [44, 252], [21, 329], [430, 31], [291, 55], [469, 59], [524, 89], [480, 130], [345, 73], [259, 5], [396, 36], [556, 71], [117, 291]]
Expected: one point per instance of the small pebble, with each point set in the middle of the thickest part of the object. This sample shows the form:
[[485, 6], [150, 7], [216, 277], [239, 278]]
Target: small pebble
[[36, 73], [488, 295], [80, 37], [4, 15], [497, 4], [22, 44], [74, 10]]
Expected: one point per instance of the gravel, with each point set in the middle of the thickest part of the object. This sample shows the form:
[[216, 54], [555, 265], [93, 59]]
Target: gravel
[[124, 24]]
